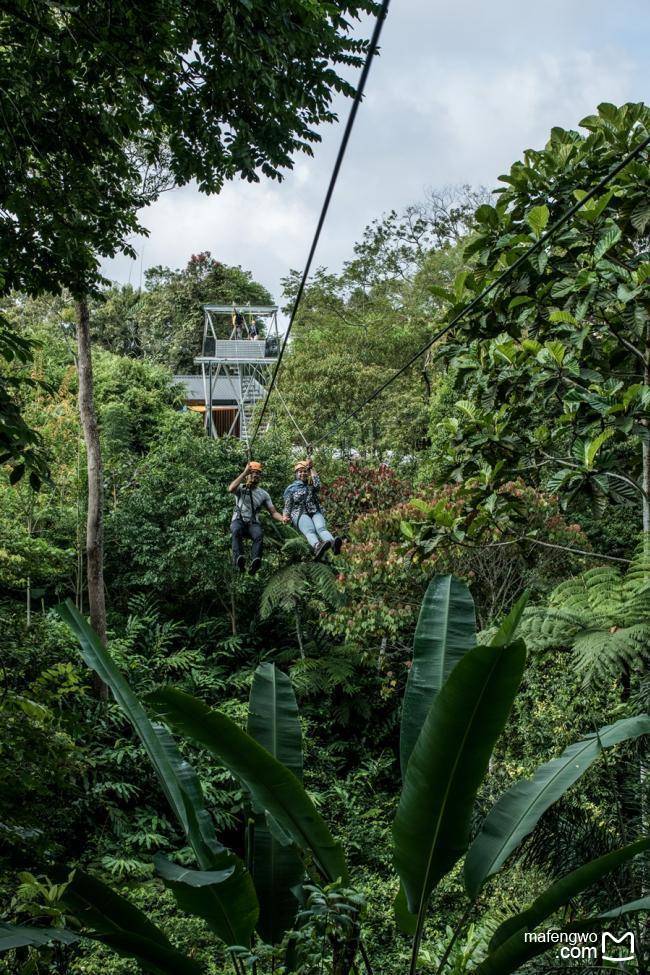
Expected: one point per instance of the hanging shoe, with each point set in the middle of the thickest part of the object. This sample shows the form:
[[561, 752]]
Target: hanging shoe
[[320, 550], [255, 564], [241, 563], [338, 545]]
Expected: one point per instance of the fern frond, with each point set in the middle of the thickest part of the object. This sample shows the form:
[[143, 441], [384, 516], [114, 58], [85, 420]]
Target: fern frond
[[289, 585], [637, 579], [324, 583], [544, 628], [600, 654], [597, 590], [283, 589], [603, 616], [296, 547]]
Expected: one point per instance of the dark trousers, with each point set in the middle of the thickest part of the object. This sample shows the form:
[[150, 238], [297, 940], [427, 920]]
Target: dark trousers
[[246, 529]]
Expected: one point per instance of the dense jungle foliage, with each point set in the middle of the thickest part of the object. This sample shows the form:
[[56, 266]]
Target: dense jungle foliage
[[515, 457]]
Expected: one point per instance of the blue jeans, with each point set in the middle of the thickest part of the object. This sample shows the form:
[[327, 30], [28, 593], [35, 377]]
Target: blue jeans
[[314, 529]]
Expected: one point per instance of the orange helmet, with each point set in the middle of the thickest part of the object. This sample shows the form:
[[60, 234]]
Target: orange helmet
[[255, 467], [302, 465]]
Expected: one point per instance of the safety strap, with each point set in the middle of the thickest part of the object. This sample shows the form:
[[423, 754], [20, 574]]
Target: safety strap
[[254, 510]]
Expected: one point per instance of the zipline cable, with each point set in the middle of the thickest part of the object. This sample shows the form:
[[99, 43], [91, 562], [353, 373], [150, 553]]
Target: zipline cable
[[293, 420], [491, 287], [374, 41]]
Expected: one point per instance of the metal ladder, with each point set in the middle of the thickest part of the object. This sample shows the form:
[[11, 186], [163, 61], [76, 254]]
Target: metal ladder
[[250, 397]]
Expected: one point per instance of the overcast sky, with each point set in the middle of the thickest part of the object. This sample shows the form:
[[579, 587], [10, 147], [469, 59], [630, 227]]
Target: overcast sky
[[460, 89]]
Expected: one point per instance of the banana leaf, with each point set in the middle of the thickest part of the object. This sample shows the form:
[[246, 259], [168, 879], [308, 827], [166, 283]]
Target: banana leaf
[[632, 907], [198, 892], [234, 902], [272, 786], [565, 889], [99, 659], [20, 936], [514, 952], [446, 628], [273, 719], [506, 631], [274, 723], [116, 922], [447, 765], [406, 922], [519, 809]]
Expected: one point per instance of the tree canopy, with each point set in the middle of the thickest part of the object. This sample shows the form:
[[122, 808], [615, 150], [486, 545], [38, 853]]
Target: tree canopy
[[101, 100]]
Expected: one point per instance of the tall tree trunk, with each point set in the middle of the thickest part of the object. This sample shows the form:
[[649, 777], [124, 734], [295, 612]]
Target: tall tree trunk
[[296, 614], [644, 770], [645, 447], [95, 517]]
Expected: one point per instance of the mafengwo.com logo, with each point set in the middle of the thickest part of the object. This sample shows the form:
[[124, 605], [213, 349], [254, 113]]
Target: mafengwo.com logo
[[586, 946]]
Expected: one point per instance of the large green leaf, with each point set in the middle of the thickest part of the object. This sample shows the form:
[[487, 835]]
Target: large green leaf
[[519, 809], [514, 952], [406, 922], [198, 823], [99, 659], [272, 786], [632, 907], [506, 631], [18, 936], [446, 629], [537, 218], [230, 906], [203, 893], [565, 889], [123, 927], [447, 765], [234, 903], [273, 719], [276, 870], [276, 866]]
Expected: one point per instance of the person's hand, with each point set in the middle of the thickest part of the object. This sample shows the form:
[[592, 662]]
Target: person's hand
[[286, 519], [247, 468]]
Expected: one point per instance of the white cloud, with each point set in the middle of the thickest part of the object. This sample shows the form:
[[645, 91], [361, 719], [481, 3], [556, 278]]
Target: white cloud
[[457, 94]]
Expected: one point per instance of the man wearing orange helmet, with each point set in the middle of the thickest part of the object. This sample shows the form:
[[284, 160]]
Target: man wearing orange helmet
[[302, 507], [250, 498]]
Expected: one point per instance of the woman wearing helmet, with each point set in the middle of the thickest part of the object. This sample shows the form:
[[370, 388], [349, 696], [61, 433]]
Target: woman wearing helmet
[[249, 499], [302, 507]]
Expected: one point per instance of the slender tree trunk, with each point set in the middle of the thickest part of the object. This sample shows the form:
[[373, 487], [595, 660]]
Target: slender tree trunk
[[28, 592], [645, 447], [233, 613], [645, 483], [382, 653], [345, 952], [95, 516], [296, 613]]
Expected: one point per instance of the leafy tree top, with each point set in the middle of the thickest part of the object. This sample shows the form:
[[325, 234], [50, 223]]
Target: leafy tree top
[[552, 369], [107, 102]]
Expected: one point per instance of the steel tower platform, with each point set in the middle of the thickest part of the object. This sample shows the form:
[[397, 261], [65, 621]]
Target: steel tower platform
[[236, 369]]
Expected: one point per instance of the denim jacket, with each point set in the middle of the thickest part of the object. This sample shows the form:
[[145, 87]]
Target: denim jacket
[[302, 499]]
